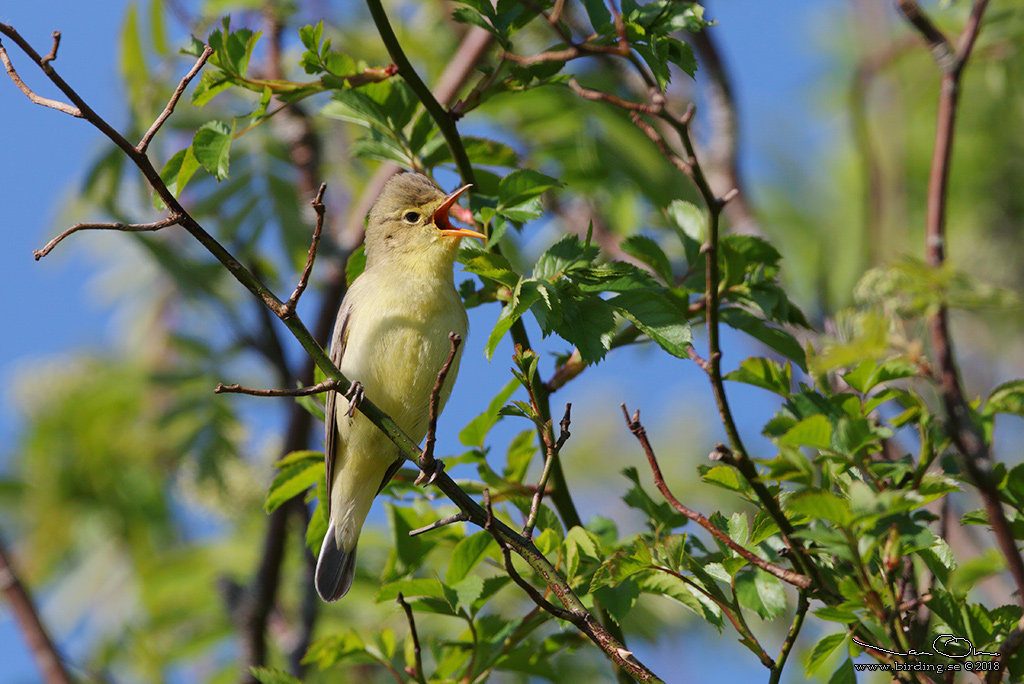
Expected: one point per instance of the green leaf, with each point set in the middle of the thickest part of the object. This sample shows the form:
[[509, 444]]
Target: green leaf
[[597, 12], [489, 265], [481, 152], [825, 505], [649, 252], [523, 297], [469, 553], [294, 477], [690, 223], [521, 451], [266, 675], [476, 430], [814, 432], [619, 600], [1006, 398], [356, 264], [520, 188], [566, 254], [779, 340], [211, 146], [410, 588], [658, 318], [177, 172], [764, 373], [824, 651]]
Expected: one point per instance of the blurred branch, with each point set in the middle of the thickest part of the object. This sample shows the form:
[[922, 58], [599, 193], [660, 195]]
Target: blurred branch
[[31, 625], [723, 143], [961, 425]]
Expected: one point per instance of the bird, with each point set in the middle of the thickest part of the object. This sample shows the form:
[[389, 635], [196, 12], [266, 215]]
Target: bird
[[391, 338]]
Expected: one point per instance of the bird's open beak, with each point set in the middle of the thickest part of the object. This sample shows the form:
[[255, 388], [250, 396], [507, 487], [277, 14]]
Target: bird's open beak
[[440, 217]]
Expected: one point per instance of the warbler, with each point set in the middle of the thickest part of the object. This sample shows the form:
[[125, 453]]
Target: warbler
[[391, 336]]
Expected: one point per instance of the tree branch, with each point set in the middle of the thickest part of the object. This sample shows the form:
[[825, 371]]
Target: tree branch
[[123, 227], [49, 661], [640, 433], [318, 207], [417, 670], [169, 109], [426, 461], [319, 388], [961, 426]]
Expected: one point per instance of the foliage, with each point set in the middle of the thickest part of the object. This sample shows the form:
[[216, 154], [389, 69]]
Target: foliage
[[843, 515]]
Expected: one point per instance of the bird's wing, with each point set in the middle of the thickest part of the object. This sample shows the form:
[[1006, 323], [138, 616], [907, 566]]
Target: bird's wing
[[338, 342]]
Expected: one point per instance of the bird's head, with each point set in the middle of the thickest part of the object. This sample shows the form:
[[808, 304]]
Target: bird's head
[[409, 223]]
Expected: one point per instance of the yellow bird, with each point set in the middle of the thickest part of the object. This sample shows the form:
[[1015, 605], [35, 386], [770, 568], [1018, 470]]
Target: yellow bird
[[391, 336]]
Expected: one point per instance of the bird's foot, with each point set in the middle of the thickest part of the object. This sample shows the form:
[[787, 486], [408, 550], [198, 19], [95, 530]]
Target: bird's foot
[[430, 472], [355, 396]]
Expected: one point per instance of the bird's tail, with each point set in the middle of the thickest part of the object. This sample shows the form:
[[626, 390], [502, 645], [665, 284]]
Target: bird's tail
[[335, 568]]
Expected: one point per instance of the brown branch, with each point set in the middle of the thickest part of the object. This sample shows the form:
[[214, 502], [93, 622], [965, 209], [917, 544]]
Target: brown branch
[[417, 670], [640, 433], [443, 522], [53, 49], [937, 42], [319, 388], [601, 96], [962, 428], [318, 207], [123, 227], [26, 615], [552, 449], [427, 455], [169, 109], [37, 99]]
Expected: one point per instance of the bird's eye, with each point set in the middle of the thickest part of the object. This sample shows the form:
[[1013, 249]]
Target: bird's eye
[[411, 217]]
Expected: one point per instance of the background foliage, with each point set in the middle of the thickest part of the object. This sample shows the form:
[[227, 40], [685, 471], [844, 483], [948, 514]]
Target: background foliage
[[135, 474]]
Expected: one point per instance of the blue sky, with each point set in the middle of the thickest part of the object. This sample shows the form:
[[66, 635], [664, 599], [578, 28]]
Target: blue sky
[[57, 307]]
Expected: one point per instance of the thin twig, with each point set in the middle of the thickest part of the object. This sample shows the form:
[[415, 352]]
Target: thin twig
[[640, 433], [169, 109], [123, 227], [37, 99], [794, 630], [319, 388], [443, 522], [601, 96], [318, 207], [552, 449], [26, 615], [417, 669], [427, 455], [53, 49]]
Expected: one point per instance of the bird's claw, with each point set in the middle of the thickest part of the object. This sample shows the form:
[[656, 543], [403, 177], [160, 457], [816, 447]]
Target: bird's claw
[[355, 396], [430, 473]]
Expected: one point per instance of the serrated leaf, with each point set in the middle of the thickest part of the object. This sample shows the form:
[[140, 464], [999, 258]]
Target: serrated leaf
[[467, 554], [658, 318], [824, 650], [649, 252], [764, 373]]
